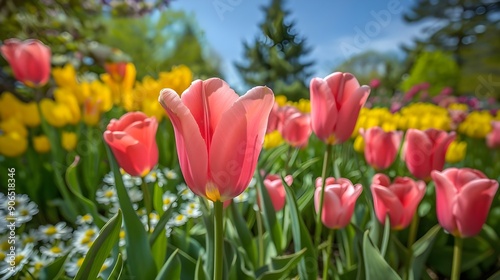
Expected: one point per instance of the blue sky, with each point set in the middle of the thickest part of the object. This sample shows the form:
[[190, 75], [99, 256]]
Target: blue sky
[[335, 30]]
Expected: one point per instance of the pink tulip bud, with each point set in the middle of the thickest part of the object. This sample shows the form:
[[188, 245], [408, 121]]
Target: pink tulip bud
[[132, 139], [339, 201], [399, 200], [463, 200], [425, 151], [381, 148], [29, 59], [296, 129], [374, 83], [276, 190], [493, 138], [335, 105], [219, 135]]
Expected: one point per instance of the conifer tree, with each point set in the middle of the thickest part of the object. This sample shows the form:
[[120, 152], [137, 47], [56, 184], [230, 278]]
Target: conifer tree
[[277, 56]]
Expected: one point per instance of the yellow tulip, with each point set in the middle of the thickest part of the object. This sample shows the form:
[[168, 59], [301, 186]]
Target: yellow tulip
[[55, 114], [71, 103], [41, 144], [9, 106], [12, 144], [13, 125], [456, 152], [152, 108], [272, 140], [31, 115], [280, 100], [91, 113], [65, 76], [178, 79], [118, 88], [69, 140], [359, 144]]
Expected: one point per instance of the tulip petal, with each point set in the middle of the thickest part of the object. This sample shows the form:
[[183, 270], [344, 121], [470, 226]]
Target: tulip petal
[[418, 153], [191, 148], [125, 121], [207, 101], [349, 113], [386, 202], [473, 204], [445, 201], [324, 109], [438, 156], [237, 141]]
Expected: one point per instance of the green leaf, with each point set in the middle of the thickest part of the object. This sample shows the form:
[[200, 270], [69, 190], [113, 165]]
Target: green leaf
[[244, 234], [495, 276], [117, 269], [55, 269], [301, 237], [139, 257], [280, 267], [269, 215], [305, 166], [74, 187], [421, 250], [375, 265], [171, 269], [100, 249], [200, 273], [158, 199], [160, 226]]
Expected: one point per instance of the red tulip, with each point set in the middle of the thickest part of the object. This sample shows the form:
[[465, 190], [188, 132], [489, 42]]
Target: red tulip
[[381, 148], [219, 135], [335, 105], [399, 200], [493, 138], [339, 201], [426, 150], [296, 129], [132, 139], [276, 190], [463, 200], [29, 59]]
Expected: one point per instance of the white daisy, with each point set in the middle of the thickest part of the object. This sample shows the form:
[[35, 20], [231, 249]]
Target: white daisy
[[83, 238], [20, 259], [185, 192], [38, 262], [106, 195], [191, 212], [73, 265], [169, 200], [134, 194], [242, 197], [109, 178], [170, 174], [86, 219], [178, 219], [25, 212], [57, 232], [19, 200], [30, 237], [53, 250]]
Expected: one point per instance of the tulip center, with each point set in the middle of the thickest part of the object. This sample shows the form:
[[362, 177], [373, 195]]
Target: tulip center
[[145, 172], [331, 139], [212, 192]]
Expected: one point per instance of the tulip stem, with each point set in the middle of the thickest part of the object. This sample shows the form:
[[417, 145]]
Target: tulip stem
[[326, 160], [147, 201], [457, 258], [261, 239], [219, 240], [413, 230], [326, 260]]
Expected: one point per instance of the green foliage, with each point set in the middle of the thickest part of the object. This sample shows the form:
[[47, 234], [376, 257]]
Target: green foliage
[[156, 43], [276, 59], [437, 68]]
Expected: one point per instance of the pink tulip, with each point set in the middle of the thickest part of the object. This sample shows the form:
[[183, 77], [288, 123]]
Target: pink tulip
[[339, 201], [132, 139], [219, 135], [381, 148], [29, 59], [335, 105], [296, 129], [276, 190], [399, 200], [463, 200], [274, 118], [425, 151], [493, 138], [374, 83]]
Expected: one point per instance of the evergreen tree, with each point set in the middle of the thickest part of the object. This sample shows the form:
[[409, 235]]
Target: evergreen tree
[[276, 58], [467, 29]]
